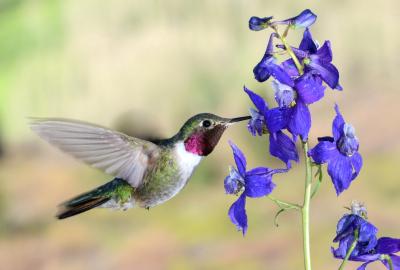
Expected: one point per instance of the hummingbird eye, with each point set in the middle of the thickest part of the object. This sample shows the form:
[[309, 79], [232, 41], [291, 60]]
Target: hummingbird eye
[[206, 123]]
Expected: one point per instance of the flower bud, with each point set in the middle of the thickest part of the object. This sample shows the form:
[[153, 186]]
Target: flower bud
[[257, 23]]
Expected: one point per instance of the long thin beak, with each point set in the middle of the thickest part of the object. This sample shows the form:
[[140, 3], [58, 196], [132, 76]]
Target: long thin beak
[[238, 119]]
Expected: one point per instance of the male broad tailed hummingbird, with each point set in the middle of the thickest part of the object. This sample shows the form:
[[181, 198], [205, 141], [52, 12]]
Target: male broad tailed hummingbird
[[146, 173]]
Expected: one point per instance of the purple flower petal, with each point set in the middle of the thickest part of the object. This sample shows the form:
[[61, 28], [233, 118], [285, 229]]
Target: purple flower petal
[[338, 87], [282, 147], [300, 121], [280, 74], [277, 119], [257, 23], [327, 71], [240, 159], [299, 53], [340, 170], [365, 257], [307, 43], [367, 235], [267, 66], [364, 265], [290, 68], [356, 162], [325, 52], [258, 101], [343, 247], [262, 71], [387, 245], [338, 124], [259, 182], [237, 213], [323, 152], [305, 19], [347, 225], [309, 88]]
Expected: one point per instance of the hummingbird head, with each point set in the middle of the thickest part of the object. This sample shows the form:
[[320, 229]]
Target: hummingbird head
[[202, 132]]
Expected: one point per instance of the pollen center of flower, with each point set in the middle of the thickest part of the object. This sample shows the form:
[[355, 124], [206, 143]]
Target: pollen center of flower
[[306, 61], [284, 94], [256, 124], [359, 209], [234, 183], [348, 142]]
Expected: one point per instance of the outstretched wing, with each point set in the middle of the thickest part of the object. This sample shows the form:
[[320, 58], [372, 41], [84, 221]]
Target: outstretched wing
[[113, 152]]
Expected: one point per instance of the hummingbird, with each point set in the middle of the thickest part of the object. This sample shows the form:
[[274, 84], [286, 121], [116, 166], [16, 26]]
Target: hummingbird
[[147, 173]]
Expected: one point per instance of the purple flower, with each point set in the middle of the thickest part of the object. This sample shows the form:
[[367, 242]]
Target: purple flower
[[254, 183], [318, 60], [273, 120], [297, 115], [268, 66], [340, 152], [257, 23], [305, 19], [294, 98], [346, 233], [368, 249]]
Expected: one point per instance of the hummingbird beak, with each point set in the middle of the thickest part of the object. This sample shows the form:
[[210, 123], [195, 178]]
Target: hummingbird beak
[[238, 119]]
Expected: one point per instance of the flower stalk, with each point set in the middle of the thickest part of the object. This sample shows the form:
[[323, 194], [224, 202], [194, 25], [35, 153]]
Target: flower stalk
[[298, 81], [284, 205], [390, 262], [305, 210], [289, 50]]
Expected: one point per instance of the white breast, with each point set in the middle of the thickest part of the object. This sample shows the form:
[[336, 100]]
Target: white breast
[[186, 161]]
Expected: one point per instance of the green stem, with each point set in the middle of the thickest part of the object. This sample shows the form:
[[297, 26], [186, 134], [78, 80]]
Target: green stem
[[390, 263], [305, 210], [296, 61], [389, 260], [352, 247], [283, 204]]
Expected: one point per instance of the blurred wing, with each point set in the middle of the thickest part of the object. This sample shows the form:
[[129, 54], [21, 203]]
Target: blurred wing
[[113, 152]]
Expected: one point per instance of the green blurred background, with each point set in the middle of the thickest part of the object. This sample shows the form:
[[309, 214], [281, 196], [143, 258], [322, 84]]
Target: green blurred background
[[141, 66]]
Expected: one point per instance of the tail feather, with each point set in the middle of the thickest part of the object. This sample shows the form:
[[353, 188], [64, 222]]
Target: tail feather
[[67, 211], [94, 198]]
